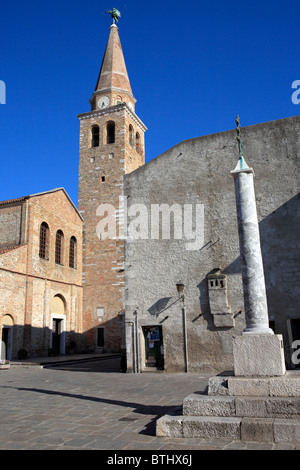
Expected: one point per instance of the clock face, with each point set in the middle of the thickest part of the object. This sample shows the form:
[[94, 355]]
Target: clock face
[[103, 102], [130, 106]]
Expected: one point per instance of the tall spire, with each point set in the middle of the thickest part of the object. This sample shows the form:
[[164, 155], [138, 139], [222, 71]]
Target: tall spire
[[113, 73]]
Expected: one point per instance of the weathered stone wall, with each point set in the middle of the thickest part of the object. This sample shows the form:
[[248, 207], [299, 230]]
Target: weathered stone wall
[[197, 171]]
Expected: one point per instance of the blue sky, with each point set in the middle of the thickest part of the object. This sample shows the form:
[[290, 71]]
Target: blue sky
[[192, 65]]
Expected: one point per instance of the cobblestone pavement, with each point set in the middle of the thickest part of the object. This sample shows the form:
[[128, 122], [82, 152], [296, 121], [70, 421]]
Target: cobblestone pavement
[[91, 405]]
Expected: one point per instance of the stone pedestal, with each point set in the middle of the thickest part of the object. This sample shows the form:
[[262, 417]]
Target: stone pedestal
[[258, 356]]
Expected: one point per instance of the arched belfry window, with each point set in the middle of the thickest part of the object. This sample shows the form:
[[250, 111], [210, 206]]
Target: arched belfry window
[[110, 132], [138, 143], [44, 241], [95, 136], [59, 247], [73, 253], [131, 135]]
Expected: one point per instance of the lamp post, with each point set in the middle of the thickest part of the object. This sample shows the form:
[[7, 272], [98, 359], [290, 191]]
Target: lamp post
[[180, 289]]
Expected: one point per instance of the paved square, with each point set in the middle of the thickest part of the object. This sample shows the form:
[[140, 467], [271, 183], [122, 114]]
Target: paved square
[[92, 405]]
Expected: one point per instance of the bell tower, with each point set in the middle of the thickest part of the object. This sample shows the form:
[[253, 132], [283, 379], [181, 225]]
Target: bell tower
[[111, 145]]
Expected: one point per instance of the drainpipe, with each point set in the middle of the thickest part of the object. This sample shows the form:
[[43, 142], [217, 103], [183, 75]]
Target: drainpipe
[[180, 289], [137, 343], [185, 334]]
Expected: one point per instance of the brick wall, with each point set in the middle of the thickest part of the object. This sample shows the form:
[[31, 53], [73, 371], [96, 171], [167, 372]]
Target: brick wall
[[29, 283], [10, 224]]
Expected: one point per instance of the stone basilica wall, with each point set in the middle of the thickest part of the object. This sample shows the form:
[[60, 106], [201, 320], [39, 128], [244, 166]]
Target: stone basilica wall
[[197, 334]]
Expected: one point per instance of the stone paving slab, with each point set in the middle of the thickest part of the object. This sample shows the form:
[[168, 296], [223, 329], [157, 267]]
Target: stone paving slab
[[92, 406]]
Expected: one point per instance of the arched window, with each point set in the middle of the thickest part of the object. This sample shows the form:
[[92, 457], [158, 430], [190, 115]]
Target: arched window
[[73, 253], [95, 136], [59, 247], [131, 135], [138, 142], [110, 132], [44, 241]]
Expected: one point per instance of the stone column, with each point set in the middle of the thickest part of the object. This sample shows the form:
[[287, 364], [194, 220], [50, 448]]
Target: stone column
[[257, 352], [255, 298]]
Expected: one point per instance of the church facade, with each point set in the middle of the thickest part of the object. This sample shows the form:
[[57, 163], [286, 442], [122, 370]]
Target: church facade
[[40, 276]]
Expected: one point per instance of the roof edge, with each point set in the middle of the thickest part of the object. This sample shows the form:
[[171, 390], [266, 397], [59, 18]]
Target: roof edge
[[25, 198], [55, 190]]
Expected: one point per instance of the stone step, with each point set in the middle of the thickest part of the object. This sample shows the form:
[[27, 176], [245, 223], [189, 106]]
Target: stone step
[[198, 426], [287, 385], [241, 406], [245, 429]]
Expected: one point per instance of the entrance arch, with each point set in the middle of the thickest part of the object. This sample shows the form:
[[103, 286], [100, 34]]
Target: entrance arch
[[58, 325]]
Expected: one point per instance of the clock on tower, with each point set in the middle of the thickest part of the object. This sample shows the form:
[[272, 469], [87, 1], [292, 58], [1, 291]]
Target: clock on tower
[[103, 102]]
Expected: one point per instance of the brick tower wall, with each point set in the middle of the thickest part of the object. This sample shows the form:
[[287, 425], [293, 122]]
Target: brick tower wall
[[101, 171]]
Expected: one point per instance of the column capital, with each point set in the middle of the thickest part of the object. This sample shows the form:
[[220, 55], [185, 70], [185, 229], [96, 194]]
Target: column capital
[[241, 167]]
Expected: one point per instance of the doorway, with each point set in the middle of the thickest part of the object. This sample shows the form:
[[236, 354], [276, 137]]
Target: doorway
[[100, 337], [56, 334], [6, 337], [154, 349], [6, 346], [58, 325], [295, 327]]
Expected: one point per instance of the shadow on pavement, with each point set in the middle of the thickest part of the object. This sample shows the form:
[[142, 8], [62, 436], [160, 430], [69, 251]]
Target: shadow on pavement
[[107, 364], [144, 410]]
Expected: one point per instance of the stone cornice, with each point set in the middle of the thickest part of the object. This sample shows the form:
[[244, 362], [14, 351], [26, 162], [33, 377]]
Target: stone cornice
[[114, 89]]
